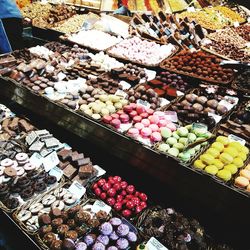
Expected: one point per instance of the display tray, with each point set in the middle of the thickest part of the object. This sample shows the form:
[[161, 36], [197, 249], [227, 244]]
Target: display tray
[[238, 88], [162, 65], [166, 170], [125, 59]]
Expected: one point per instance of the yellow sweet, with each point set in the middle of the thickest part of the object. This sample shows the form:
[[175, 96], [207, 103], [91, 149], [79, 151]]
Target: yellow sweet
[[238, 162], [211, 169], [199, 164], [218, 145], [232, 168], [231, 151], [226, 158], [224, 175], [207, 158], [217, 163], [242, 155], [223, 139], [214, 152], [236, 145], [244, 149]]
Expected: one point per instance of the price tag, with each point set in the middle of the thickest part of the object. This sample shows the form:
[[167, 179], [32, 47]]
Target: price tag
[[151, 74], [217, 118], [100, 171], [31, 137], [125, 85], [121, 93], [143, 103], [66, 146], [163, 101], [171, 115], [77, 189], [232, 137], [125, 127], [236, 24], [57, 172], [50, 161], [100, 205], [248, 19], [61, 76], [154, 244], [179, 93], [191, 9], [36, 160]]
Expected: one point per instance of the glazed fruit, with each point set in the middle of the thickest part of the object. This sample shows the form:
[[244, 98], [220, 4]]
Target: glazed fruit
[[122, 197]]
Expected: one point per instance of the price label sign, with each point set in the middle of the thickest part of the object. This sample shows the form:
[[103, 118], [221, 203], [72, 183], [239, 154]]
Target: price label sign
[[217, 118], [154, 244], [100, 171], [36, 160], [100, 205], [50, 161], [77, 189], [57, 172], [143, 103], [121, 93], [232, 137]]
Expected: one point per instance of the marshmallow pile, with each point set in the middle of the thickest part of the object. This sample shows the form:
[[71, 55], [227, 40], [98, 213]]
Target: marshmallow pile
[[105, 62], [94, 39], [142, 51]]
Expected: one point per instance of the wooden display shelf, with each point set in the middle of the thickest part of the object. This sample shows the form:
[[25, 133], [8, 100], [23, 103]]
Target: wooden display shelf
[[231, 206]]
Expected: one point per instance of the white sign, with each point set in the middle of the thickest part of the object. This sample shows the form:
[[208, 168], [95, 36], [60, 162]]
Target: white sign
[[154, 244], [100, 205], [50, 161], [77, 189]]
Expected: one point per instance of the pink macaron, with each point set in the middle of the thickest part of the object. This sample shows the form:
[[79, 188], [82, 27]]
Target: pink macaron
[[124, 118], [140, 109], [146, 132], [128, 108], [154, 119], [171, 126], [133, 132], [137, 118], [139, 126], [145, 122], [144, 115], [107, 119], [133, 114], [154, 127], [115, 123], [155, 137], [115, 116]]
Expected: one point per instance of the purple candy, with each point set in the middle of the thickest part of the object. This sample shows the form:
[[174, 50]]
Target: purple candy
[[103, 239], [132, 237], [122, 230], [115, 221], [106, 228], [122, 243], [81, 246], [89, 239], [112, 248], [98, 246], [114, 236]]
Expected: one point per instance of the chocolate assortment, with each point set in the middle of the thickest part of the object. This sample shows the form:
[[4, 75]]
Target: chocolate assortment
[[64, 229], [199, 64], [204, 107]]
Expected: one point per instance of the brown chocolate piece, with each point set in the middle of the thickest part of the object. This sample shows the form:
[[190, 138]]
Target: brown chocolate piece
[[63, 165], [76, 156], [64, 154], [44, 219], [85, 171], [83, 161], [55, 213], [70, 172]]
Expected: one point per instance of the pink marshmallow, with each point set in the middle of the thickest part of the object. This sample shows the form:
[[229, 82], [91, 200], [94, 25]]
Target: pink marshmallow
[[133, 114]]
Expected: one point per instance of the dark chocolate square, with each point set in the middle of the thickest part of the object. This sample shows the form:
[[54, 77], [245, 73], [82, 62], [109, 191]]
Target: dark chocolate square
[[70, 172]]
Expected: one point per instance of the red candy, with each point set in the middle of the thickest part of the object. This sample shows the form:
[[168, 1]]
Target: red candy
[[122, 197]]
